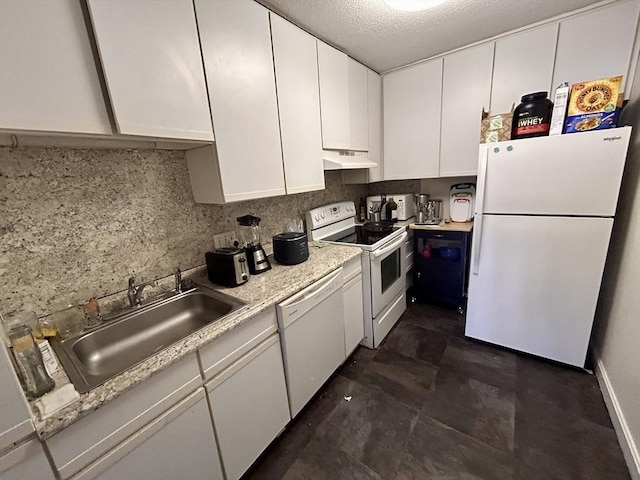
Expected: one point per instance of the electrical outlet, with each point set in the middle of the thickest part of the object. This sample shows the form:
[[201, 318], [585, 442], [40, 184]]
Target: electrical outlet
[[226, 239]]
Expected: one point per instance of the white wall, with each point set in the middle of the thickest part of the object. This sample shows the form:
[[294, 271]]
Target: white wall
[[617, 326], [440, 188]]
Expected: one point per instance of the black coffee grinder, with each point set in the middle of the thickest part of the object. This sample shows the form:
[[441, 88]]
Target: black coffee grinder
[[249, 238]]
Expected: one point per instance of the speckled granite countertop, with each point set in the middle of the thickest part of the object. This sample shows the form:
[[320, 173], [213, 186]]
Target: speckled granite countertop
[[261, 292]]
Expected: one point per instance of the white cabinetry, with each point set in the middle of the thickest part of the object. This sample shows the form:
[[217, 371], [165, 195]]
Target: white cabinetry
[[412, 108], [27, 461], [48, 77], [249, 406], [523, 64], [358, 99], [178, 444], [296, 68], [333, 72], [374, 95], [247, 390], [374, 124], [353, 305], [152, 67], [91, 437], [597, 44], [462, 105], [246, 161]]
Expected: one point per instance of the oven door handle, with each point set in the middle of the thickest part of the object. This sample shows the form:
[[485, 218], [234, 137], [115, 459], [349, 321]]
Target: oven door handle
[[391, 246]]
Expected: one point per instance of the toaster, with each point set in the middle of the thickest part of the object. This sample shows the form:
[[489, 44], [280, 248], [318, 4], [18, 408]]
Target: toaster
[[227, 266]]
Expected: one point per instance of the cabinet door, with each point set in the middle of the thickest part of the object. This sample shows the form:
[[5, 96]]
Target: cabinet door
[[296, 66], [236, 47], [25, 462], [523, 64], [353, 313], [597, 44], [358, 99], [48, 79], [333, 72], [15, 421], [412, 108], [179, 444], [466, 90], [152, 67], [249, 406], [374, 98], [86, 440]]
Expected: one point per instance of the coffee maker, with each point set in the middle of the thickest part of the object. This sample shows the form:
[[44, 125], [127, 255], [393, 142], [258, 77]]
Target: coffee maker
[[421, 208], [249, 238]]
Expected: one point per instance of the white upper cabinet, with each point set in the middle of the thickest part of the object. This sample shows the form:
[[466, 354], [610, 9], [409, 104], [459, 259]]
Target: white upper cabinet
[[374, 95], [359, 128], [152, 67], [597, 44], [236, 47], [48, 77], [296, 67], [462, 103], [412, 108], [333, 71], [523, 64]]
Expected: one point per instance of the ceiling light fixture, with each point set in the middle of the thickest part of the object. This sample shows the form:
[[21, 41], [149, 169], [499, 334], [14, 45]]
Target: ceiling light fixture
[[413, 5]]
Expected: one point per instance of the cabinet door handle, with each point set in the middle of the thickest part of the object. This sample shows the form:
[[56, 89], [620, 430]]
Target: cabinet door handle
[[438, 235]]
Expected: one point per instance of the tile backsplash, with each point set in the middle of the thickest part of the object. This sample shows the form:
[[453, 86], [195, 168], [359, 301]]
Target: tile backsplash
[[76, 218]]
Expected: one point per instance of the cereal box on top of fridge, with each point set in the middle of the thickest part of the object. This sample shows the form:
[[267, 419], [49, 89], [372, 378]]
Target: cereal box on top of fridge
[[592, 105]]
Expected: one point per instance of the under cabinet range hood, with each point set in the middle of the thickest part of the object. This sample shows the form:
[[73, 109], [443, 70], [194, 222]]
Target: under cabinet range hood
[[346, 160]]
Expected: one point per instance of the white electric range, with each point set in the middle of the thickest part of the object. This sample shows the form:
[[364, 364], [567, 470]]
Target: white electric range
[[383, 276]]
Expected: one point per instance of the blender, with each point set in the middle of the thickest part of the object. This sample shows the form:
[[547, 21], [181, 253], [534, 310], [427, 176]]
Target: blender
[[249, 238]]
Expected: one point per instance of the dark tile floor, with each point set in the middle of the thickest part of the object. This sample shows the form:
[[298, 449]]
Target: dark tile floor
[[430, 404]]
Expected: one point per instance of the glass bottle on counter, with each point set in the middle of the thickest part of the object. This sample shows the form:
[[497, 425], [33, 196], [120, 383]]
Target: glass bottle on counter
[[392, 210], [33, 375], [362, 211]]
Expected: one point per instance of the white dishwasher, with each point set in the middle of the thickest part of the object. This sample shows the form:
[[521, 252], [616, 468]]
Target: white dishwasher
[[311, 325]]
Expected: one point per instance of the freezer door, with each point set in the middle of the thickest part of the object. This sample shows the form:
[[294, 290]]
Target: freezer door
[[535, 282], [575, 174]]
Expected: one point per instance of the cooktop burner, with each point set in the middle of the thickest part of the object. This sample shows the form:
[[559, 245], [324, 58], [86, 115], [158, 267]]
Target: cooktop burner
[[357, 235]]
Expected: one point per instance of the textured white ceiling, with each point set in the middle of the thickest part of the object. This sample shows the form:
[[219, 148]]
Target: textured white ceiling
[[382, 38]]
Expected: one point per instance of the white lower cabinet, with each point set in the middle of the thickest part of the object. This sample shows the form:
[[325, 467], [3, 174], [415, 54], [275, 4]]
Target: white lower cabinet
[[178, 444], [28, 461], [249, 406], [353, 307], [95, 435]]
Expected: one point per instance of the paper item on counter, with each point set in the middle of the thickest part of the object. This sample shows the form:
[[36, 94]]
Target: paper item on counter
[[50, 361], [318, 244], [54, 401]]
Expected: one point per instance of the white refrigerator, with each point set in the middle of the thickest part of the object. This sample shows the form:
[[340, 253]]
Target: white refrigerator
[[544, 214]]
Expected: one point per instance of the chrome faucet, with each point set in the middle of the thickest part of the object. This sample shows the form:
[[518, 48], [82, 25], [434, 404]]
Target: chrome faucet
[[135, 291]]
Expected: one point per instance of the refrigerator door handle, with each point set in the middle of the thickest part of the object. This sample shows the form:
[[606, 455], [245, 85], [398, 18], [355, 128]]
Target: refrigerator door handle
[[477, 239], [477, 223]]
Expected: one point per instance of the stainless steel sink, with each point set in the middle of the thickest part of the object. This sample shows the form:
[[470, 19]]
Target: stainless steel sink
[[94, 357]]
